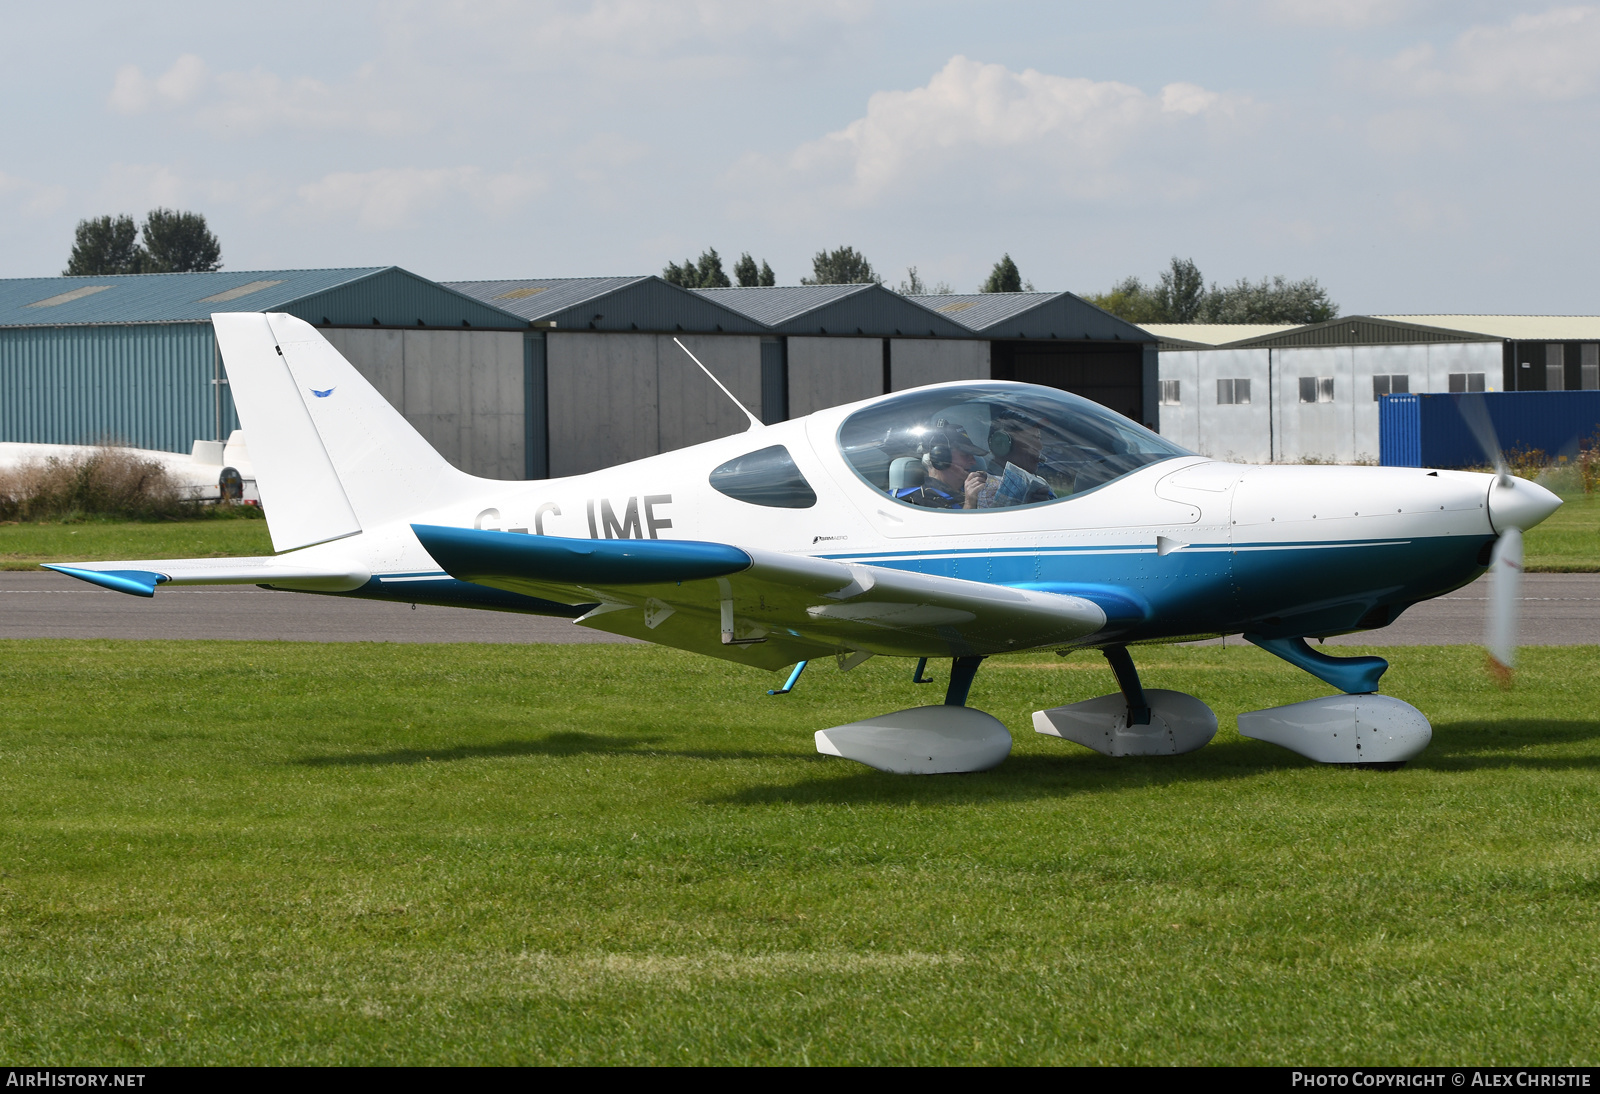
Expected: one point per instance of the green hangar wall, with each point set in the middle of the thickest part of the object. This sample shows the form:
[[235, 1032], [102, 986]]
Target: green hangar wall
[[148, 386]]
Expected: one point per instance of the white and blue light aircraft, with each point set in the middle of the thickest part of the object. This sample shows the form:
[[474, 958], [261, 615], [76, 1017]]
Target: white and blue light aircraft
[[958, 521]]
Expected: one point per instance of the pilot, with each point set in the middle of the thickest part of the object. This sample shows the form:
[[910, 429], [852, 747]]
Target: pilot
[[950, 458]]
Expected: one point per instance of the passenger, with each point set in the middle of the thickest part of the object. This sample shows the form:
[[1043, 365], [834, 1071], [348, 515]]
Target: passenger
[[950, 459], [1017, 443]]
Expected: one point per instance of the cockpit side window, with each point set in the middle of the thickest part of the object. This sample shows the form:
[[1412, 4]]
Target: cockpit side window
[[767, 477], [992, 446]]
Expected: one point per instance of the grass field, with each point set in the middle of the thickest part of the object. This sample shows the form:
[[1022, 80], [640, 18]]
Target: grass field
[[1567, 542], [296, 853], [24, 546]]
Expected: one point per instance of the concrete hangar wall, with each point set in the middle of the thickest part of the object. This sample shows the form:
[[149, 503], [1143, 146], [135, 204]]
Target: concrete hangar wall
[[615, 386], [527, 379]]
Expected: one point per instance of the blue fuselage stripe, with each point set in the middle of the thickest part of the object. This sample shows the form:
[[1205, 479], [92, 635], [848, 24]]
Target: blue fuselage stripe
[[1200, 589]]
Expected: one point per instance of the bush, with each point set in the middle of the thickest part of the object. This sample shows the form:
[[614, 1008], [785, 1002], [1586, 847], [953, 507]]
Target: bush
[[105, 482]]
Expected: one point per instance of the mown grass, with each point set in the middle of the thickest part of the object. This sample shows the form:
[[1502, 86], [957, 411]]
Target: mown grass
[[1569, 541], [24, 546], [297, 853]]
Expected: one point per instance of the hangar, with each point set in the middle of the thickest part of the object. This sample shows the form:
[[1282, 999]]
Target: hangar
[[531, 378], [617, 388], [1291, 393], [132, 358]]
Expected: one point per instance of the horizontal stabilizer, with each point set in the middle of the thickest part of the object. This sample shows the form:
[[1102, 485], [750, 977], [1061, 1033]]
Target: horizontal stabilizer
[[140, 577]]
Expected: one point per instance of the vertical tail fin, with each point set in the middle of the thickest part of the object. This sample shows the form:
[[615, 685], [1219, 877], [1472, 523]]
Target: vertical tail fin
[[331, 455]]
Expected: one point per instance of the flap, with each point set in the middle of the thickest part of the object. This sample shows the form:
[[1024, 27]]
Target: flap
[[762, 608]]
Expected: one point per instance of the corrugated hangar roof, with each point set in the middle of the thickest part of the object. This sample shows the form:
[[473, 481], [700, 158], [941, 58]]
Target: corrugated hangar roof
[[380, 295], [868, 309], [641, 303], [1357, 330], [1033, 315], [979, 310], [776, 305], [1532, 328], [1207, 335]]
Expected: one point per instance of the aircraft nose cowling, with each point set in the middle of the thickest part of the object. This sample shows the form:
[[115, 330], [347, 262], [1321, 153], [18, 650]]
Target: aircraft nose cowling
[[1519, 503]]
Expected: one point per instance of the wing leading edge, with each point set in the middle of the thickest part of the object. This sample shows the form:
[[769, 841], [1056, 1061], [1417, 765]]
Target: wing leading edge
[[762, 608]]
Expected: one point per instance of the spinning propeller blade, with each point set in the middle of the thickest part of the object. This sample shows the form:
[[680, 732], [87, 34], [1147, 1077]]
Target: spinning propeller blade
[[1475, 412], [1514, 506], [1505, 602]]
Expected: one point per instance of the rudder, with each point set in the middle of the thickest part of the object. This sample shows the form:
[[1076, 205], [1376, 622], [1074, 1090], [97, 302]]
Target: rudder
[[332, 455]]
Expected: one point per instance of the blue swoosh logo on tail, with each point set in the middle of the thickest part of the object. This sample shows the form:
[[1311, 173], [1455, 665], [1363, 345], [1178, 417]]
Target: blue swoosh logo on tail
[[322, 394]]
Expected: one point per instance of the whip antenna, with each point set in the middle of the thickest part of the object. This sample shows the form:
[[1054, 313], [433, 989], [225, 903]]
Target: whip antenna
[[755, 423]]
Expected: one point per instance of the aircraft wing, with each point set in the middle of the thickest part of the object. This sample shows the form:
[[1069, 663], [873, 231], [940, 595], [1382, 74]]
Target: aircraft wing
[[762, 608], [140, 577]]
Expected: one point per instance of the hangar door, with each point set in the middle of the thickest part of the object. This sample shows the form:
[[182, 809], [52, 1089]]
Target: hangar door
[[1112, 374]]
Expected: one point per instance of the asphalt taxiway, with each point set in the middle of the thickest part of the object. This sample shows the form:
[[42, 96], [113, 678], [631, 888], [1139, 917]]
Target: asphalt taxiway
[[1557, 610]]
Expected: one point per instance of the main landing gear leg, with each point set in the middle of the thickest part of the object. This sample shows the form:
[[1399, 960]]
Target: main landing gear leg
[[962, 670], [1134, 723], [1128, 681]]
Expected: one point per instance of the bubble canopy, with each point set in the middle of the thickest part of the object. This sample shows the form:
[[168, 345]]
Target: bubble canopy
[[994, 445]]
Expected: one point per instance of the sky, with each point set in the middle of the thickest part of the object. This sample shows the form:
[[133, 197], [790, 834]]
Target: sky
[[1414, 156]]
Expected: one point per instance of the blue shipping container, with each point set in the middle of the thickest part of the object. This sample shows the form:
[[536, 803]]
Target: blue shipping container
[[1427, 430]]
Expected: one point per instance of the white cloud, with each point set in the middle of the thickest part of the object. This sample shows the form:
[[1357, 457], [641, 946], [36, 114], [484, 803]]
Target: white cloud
[[1547, 56], [392, 197], [134, 187], [652, 27], [134, 93], [1069, 134], [253, 102], [257, 101], [1343, 14], [33, 197]]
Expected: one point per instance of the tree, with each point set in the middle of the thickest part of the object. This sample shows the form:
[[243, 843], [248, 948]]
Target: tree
[[745, 272], [1132, 300], [1180, 296], [105, 245], [177, 242], [913, 285], [707, 273], [1181, 292], [174, 242], [1277, 300], [1004, 277], [845, 266]]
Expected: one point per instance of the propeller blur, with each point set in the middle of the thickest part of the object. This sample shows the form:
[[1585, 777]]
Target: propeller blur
[[957, 521]]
